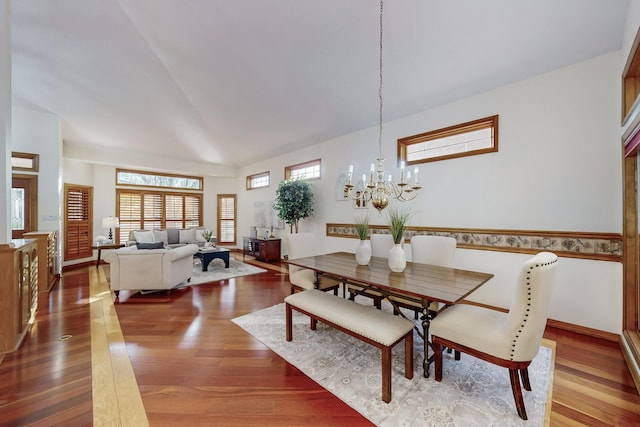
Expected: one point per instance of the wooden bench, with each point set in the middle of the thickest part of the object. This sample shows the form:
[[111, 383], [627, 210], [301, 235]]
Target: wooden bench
[[372, 326]]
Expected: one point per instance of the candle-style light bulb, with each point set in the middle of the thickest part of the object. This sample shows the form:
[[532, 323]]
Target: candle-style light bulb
[[416, 176]]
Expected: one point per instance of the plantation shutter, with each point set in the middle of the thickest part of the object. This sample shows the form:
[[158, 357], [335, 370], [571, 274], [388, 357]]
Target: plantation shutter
[[78, 225], [226, 218], [192, 211], [148, 210]]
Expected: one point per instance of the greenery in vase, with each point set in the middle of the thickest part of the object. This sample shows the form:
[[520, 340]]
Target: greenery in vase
[[294, 201], [362, 227], [397, 220], [206, 235]]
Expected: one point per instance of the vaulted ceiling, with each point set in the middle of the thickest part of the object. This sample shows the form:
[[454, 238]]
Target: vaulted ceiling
[[227, 82]]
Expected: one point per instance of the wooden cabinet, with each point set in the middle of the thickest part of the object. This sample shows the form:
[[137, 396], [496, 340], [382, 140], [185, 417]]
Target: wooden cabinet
[[48, 272], [18, 291], [262, 249]]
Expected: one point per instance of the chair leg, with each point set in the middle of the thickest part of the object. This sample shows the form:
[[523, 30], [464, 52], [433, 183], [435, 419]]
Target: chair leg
[[524, 374], [456, 355], [517, 393], [437, 352]]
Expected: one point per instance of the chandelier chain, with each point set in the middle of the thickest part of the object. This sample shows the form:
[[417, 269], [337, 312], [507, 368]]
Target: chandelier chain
[[375, 189], [380, 88]]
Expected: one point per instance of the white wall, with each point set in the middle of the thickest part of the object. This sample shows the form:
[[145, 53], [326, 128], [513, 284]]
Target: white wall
[[558, 168], [38, 132]]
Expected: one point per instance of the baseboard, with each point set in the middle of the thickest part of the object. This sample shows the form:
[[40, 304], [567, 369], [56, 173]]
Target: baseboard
[[80, 265], [629, 344], [596, 333]]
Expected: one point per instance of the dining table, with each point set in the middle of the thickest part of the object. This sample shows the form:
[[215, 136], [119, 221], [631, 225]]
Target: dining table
[[420, 283]]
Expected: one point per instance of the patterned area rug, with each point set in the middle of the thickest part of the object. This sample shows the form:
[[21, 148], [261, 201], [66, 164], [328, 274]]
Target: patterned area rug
[[216, 271], [472, 392]]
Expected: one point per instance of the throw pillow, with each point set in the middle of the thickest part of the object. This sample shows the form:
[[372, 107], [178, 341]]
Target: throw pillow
[[187, 236], [143, 236], [158, 245], [160, 236], [173, 236], [199, 237]]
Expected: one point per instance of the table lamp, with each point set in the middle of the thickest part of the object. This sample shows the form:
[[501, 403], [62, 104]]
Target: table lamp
[[110, 222]]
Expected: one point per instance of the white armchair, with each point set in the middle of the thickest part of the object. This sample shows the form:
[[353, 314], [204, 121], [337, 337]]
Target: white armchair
[[150, 269]]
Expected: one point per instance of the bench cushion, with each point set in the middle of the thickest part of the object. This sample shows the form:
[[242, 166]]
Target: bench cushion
[[368, 322]]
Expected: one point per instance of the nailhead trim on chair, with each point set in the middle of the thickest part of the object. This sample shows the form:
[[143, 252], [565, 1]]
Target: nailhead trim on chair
[[524, 321]]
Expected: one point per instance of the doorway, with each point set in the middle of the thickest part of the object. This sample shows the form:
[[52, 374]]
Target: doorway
[[24, 204]]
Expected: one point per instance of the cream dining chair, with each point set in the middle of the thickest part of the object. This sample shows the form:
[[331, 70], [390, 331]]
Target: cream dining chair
[[302, 245], [434, 250], [510, 340]]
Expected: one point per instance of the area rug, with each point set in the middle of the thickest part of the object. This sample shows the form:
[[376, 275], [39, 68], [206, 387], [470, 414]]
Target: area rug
[[471, 393], [217, 271]]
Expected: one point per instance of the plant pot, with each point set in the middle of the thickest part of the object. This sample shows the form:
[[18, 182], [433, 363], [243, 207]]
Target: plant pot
[[397, 258], [363, 252]]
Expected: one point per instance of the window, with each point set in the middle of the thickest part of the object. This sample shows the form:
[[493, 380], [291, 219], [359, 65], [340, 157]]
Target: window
[[259, 180], [307, 170], [24, 161], [227, 219], [156, 209], [153, 179], [466, 139]]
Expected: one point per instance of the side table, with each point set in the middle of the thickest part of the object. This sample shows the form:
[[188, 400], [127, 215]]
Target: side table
[[105, 246]]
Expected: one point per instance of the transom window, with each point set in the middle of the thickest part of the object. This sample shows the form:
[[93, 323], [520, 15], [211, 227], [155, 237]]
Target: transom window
[[24, 161], [259, 180], [466, 139], [154, 179], [306, 170]]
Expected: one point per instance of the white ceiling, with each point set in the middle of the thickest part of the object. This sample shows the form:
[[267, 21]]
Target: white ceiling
[[228, 82]]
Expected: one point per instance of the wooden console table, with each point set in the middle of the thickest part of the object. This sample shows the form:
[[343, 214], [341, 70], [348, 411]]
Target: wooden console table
[[262, 249]]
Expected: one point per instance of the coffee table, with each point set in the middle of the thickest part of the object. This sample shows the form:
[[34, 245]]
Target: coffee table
[[206, 255]]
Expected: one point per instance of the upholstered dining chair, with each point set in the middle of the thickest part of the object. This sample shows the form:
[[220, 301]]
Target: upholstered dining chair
[[381, 244], [510, 340], [434, 250], [302, 245]]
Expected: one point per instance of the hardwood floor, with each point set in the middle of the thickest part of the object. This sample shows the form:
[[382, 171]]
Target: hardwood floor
[[195, 367]]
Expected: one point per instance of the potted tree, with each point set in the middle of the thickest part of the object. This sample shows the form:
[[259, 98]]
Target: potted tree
[[397, 220], [294, 201], [363, 251]]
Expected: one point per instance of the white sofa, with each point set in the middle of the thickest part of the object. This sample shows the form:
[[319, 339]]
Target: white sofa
[[150, 269]]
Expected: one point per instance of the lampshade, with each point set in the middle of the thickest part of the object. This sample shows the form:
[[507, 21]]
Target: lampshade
[[110, 222]]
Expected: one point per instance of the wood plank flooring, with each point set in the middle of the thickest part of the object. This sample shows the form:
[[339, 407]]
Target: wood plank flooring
[[194, 367]]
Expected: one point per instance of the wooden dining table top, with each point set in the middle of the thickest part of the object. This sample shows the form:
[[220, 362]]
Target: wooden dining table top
[[420, 281]]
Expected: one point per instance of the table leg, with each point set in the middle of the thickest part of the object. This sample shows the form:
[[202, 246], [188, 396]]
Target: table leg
[[205, 263], [98, 259], [225, 258], [426, 323]]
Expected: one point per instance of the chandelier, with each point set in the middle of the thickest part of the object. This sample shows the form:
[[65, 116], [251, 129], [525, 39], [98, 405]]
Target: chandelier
[[375, 189]]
